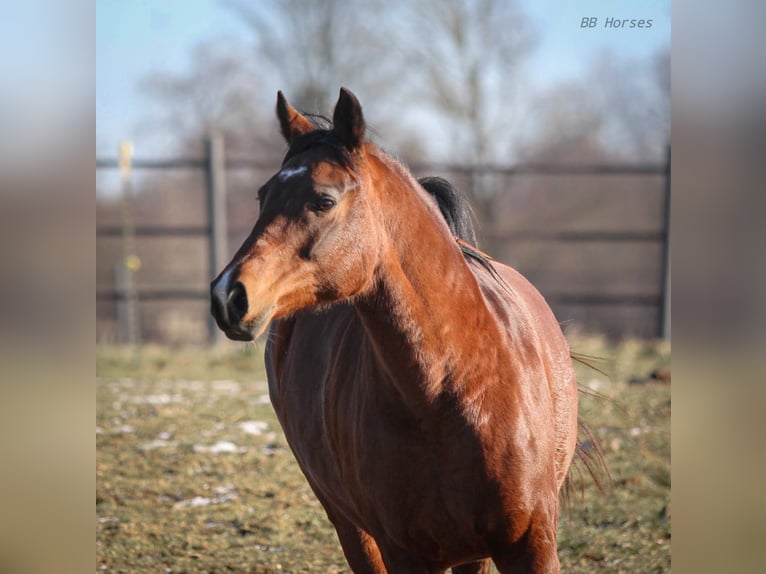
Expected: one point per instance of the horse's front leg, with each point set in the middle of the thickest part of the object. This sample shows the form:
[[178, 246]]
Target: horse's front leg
[[478, 567], [360, 549], [535, 553]]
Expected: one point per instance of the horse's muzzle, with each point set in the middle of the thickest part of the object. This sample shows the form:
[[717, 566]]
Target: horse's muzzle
[[228, 304]]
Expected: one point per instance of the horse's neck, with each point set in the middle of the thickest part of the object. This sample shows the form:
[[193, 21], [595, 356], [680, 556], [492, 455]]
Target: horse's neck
[[426, 317]]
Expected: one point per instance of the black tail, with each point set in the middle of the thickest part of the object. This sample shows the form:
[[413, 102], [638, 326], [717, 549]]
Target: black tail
[[453, 205], [458, 214], [588, 453]]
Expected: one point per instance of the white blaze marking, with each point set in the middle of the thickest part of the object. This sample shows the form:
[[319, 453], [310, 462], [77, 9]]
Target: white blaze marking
[[289, 172]]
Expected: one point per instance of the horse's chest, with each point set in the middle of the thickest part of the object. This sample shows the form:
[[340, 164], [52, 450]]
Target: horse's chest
[[419, 480], [379, 467]]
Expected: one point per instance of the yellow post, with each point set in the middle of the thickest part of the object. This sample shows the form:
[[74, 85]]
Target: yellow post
[[131, 262]]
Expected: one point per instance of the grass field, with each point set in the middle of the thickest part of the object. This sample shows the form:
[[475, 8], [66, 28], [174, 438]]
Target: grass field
[[194, 474]]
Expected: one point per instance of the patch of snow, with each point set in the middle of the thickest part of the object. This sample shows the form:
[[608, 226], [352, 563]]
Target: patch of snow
[[196, 501], [162, 399], [226, 491], [226, 386], [596, 385], [157, 443], [224, 494], [253, 427], [222, 446]]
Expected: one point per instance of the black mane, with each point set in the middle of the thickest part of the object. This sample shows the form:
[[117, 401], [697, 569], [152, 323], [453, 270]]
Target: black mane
[[456, 211], [454, 207]]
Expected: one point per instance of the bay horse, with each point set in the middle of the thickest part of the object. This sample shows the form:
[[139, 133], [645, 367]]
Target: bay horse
[[426, 390]]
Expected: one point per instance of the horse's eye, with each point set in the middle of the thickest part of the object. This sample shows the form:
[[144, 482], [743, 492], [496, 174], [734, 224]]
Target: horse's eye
[[323, 203]]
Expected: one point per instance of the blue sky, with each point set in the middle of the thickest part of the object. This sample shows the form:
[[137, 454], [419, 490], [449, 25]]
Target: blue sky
[[137, 37], [566, 50]]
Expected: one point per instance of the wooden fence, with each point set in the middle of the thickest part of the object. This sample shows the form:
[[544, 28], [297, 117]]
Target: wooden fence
[[215, 165]]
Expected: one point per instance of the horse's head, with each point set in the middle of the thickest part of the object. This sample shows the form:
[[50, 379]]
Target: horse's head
[[315, 241]]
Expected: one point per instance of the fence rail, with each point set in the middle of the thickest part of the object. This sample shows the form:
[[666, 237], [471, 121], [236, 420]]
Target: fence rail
[[215, 166], [566, 236], [156, 295], [155, 230], [103, 163]]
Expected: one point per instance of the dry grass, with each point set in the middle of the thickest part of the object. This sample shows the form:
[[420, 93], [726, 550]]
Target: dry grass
[[194, 474]]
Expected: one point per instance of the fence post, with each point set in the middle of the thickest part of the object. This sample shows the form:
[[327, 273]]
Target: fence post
[[216, 216], [125, 279], [663, 323], [124, 331]]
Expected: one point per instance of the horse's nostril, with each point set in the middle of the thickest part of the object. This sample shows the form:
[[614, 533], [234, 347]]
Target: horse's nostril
[[238, 301]]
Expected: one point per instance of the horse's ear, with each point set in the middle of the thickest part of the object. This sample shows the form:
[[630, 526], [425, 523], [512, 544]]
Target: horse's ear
[[348, 121], [292, 123]]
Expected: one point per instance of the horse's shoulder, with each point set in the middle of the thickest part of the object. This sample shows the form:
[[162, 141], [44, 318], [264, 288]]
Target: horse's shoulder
[[516, 302]]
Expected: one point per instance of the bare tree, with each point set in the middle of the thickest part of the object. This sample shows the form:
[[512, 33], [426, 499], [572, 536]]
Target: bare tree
[[635, 98], [219, 93], [463, 61], [312, 48], [452, 61], [459, 64], [619, 110]]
